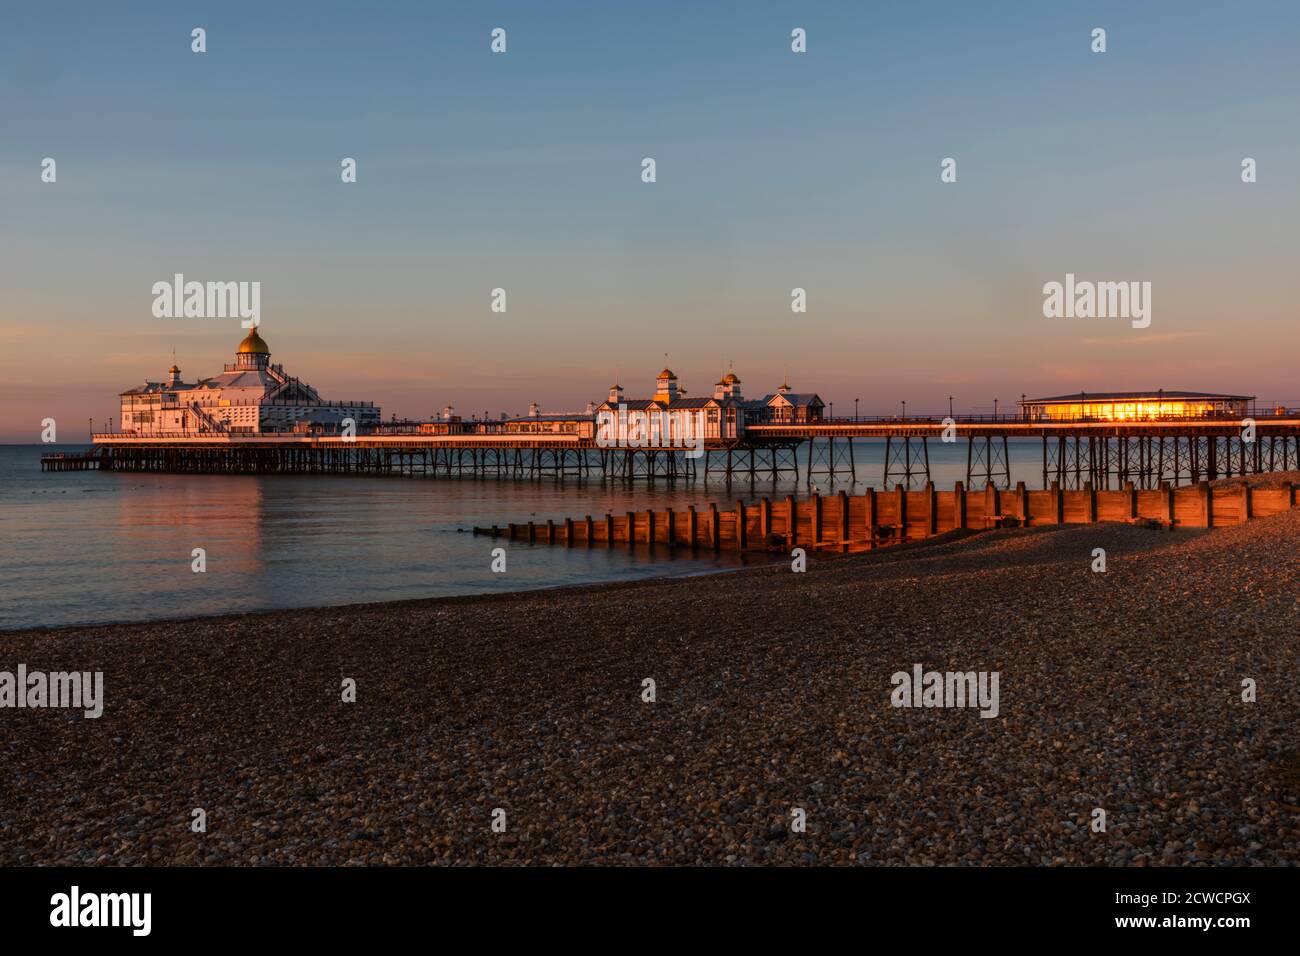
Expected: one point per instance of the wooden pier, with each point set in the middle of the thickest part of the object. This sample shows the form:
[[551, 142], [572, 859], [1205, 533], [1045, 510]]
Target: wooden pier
[[846, 522]]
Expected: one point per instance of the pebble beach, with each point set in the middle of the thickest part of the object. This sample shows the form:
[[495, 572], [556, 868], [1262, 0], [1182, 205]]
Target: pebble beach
[[1120, 691]]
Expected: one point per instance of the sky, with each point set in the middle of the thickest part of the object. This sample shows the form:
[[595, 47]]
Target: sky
[[522, 171]]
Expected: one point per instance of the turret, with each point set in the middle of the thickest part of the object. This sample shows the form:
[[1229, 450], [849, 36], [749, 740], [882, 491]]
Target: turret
[[253, 352], [666, 386]]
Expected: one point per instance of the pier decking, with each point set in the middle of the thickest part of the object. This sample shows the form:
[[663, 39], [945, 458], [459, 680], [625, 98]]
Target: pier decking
[[64, 461], [1074, 453]]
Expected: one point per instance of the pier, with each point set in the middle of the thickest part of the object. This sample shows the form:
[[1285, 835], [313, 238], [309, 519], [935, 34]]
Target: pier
[[1104, 454], [64, 461]]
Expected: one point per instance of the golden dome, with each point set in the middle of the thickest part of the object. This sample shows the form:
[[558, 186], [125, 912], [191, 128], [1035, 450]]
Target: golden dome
[[253, 343], [731, 379], [667, 373]]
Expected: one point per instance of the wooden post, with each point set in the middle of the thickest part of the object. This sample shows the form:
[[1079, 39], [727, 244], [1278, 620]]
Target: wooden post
[[609, 530], [1091, 492], [990, 502], [1246, 503], [631, 527], [931, 509], [672, 528], [873, 514], [532, 532], [1132, 494], [959, 505], [1058, 503], [715, 527], [589, 528], [1169, 505], [816, 520], [1207, 504], [550, 531], [742, 533], [1022, 504], [844, 518], [650, 526], [568, 532], [765, 520], [693, 526], [1289, 489], [792, 527], [900, 500]]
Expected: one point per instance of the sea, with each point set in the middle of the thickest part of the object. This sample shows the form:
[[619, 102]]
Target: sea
[[85, 547]]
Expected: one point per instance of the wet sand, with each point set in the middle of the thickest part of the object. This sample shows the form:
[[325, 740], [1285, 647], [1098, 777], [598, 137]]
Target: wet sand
[[1118, 690]]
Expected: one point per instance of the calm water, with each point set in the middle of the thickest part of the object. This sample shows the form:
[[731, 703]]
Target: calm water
[[82, 547]]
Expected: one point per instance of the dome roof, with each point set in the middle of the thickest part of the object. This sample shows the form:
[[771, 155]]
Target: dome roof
[[667, 373], [731, 379], [253, 343]]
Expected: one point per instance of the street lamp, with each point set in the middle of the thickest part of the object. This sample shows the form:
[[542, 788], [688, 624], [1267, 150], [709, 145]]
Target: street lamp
[[904, 411], [855, 409], [950, 406], [995, 409]]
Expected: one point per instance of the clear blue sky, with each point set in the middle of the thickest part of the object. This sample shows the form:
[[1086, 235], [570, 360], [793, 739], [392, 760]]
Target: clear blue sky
[[775, 170]]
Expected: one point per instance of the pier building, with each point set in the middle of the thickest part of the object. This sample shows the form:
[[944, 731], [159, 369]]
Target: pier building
[[250, 396], [1134, 406]]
